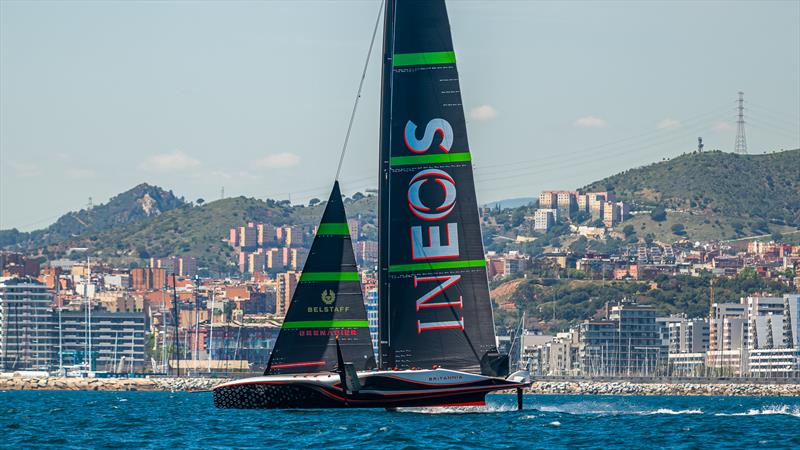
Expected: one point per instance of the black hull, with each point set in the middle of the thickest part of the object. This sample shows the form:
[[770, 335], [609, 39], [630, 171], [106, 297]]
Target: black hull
[[387, 390], [260, 396]]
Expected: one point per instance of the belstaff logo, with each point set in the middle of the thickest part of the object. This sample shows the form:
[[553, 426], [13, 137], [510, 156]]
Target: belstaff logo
[[328, 296]]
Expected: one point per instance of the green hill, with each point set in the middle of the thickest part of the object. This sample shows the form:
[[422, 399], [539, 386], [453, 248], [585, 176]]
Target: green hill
[[746, 191], [202, 231], [136, 204]]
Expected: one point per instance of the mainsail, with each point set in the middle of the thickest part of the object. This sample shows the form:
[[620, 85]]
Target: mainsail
[[435, 307], [327, 303]]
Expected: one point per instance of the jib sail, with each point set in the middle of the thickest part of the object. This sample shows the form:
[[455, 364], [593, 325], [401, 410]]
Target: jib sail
[[327, 303]]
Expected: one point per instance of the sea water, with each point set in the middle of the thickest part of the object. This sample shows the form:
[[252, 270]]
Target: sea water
[[119, 420]]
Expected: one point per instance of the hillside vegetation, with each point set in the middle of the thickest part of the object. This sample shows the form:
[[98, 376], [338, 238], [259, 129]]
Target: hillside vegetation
[[554, 305], [202, 231], [136, 204], [746, 190]]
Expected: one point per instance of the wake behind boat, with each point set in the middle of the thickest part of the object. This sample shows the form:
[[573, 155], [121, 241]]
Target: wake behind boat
[[433, 293]]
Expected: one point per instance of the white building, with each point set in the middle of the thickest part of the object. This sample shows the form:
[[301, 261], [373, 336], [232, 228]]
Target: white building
[[544, 218], [26, 338], [688, 336], [371, 303]]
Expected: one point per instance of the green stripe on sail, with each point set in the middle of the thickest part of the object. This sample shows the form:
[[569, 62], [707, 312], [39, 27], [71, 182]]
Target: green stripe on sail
[[430, 159], [329, 276], [438, 265], [327, 324], [334, 228], [423, 59]]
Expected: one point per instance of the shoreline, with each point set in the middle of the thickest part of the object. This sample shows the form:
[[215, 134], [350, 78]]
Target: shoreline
[[681, 389], [163, 384]]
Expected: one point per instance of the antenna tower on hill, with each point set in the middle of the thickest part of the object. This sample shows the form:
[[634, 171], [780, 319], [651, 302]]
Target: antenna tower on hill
[[741, 140]]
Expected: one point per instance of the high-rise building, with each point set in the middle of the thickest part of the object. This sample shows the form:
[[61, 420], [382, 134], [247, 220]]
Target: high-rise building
[[148, 278], [293, 236], [612, 215], [183, 266], [286, 283], [265, 234], [256, 261], [548, 199], [371, 303], [596, 205], [273, 258], [626, 343], [366, 252], [18, 265], [688, 336], [355, 228], [117, 339], [543, 219], [297, 258], [566, 203], [26, 338], [248, 237]]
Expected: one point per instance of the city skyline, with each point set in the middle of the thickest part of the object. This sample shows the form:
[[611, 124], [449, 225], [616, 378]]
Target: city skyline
[[194, 111]]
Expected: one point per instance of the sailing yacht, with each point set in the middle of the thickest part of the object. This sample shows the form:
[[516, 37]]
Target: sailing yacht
[[437, 338]]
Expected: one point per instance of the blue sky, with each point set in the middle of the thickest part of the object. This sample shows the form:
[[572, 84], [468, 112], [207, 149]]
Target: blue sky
[[96, 97]]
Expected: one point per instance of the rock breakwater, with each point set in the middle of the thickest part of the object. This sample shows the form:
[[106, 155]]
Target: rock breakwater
[[540, 387], [108, 384], [678, 389]]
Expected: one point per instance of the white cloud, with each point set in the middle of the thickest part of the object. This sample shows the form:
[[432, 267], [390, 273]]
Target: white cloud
[[177, 160], [25, 170], [79, 173], [668, 123], [483, 113], [278, 161], [590, 122], [721, 126], [236, 175]]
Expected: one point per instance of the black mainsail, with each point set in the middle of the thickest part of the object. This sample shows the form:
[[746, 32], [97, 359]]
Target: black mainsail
[[433, 289], [328, 303]]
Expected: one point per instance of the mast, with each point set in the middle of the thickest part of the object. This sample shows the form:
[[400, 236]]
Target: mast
[[211, 330], [60, 334], [88, 312], [385, 355], [177, 332]]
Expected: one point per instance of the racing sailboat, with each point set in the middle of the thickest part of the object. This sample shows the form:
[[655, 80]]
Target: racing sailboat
[[437, 338]]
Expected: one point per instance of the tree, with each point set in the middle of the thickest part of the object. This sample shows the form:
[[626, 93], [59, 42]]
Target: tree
[[358, 196], [313, 201], [659, 214], [200, 201], [628, 230], [579, 246], [517, 217], [678, 229], [582, 217]]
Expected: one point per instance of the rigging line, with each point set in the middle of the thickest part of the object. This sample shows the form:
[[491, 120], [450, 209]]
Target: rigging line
[[358, 94]]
